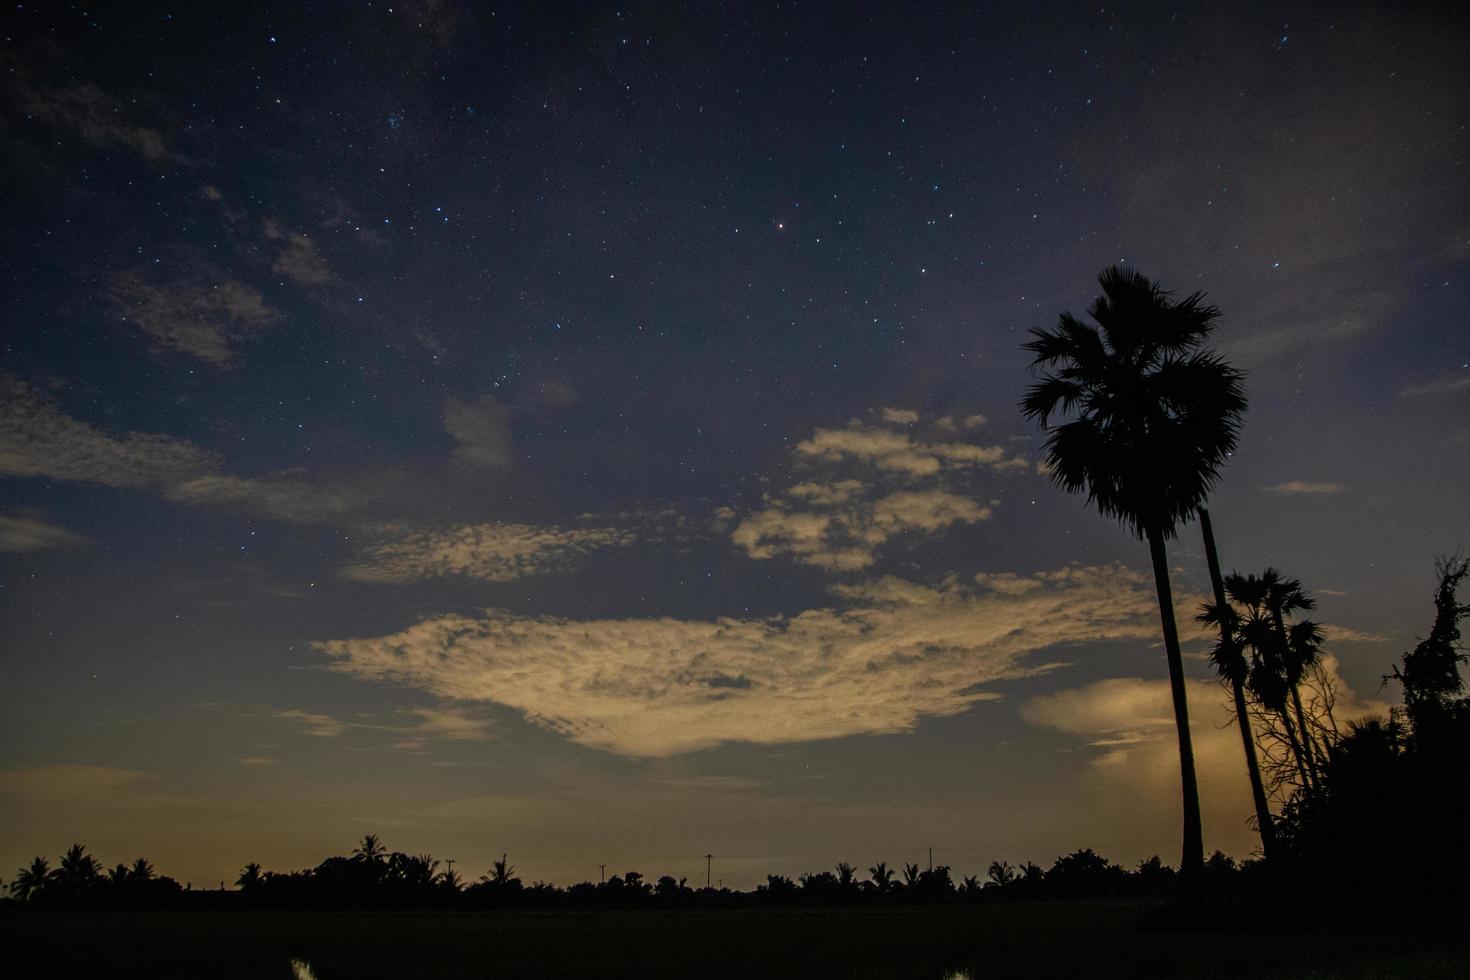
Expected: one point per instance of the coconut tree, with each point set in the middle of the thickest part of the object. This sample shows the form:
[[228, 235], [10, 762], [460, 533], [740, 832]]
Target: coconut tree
[[32, 880], [1150, 419]]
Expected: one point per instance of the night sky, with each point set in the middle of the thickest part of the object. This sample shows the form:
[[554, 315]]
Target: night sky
[[591, 434]]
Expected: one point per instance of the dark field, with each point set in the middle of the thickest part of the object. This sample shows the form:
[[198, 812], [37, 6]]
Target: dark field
[[1037, 940]]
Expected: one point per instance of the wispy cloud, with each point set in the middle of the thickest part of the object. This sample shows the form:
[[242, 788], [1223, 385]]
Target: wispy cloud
[[481, 430], [85, 111], [38, 439], [896, 653], [28, 532], [492, 552], [204, 319], [1439, 386], [1302, 486]]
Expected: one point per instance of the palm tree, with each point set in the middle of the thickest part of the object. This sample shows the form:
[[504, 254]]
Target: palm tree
[[1151, 419], [1001, 874], [1299, 648], [882, 876], [1229, 660], [1256, 628], [78, 868], [31, 881], [142, 870], [370, 850], [249, 876]]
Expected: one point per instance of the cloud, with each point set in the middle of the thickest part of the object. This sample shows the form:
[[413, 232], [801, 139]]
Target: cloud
[[283, 498], [86, 111], [203, 319], [300, 262], [482, 430], [1439, 386], [492, 552], [29, 533], [896, 653], [838, 522], [1299, 486], [845, 539], [900, 453], [1128, 722], [318, 725], [68, 785], [38, 439]]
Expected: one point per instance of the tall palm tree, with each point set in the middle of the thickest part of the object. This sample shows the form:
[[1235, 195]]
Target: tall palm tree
[[142, 870], [1228, 659], [1151, 419]]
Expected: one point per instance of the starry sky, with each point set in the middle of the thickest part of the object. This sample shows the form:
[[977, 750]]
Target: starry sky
[[590, 433]]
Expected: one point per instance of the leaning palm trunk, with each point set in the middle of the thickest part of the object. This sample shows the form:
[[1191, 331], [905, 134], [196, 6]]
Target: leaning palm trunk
[[1304, 752], [1305, 733], [1264, 822], [1191, 864], [1297, 754]]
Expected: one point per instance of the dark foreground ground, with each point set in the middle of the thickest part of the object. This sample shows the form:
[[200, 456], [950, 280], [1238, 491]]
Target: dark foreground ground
[[1034, 940]]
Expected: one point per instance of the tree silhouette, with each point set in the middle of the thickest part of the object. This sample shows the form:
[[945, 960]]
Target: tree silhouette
[[882, 877], [1430, 673], [32, 880], [1000, 873], [1151, 419], [1228, 659], [142, 870], [370, 850], [1298, 649], [249, 877]]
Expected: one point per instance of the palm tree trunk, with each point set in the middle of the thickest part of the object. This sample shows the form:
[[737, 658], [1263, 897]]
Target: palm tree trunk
[[1296, 746], [1264, 822], [1192, 861], [1306, 735]]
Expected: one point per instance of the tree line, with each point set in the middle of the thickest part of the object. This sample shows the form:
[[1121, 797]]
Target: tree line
[[372, 877]]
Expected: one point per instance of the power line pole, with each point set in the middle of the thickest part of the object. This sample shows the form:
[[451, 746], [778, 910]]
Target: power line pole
[[931, 859], [602, 874], [707, 859]]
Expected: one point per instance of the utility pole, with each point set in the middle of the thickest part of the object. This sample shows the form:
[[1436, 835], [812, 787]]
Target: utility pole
[[931, 859], [450, 863], [707, 859], [602, 874]]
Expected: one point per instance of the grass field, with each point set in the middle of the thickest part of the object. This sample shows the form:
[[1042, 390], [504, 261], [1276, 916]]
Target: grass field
[[1036, 940]]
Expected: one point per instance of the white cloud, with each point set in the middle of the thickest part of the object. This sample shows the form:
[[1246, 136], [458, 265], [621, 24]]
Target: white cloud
[[900, 416], [38, 439], [493, 552], [899, 452], [845, 539], [280, 497], [1299, 486], [1129, 723], [205, 320], [21, 533], [897, 653]]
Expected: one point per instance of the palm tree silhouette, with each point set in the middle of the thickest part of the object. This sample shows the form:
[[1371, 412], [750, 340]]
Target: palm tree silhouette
[[1257, 627], [1230, 662], [882, 876], [370, 850], [32, 880], [142, 870], [1152, 419], [1299, 646], [249, 876]]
